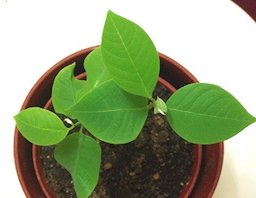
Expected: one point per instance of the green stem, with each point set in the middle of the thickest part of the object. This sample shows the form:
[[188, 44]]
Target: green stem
[[74, 125], [152, 100], [81, 129], [150, 105]]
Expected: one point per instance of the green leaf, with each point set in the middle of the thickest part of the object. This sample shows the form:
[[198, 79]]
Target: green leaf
[[160, 106], [96, 70], [66, 88], [81, 156], [111, 114], [40, 126], [206, 114], [130, 55]]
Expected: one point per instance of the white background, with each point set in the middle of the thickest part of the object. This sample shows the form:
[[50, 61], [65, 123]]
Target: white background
[[215, 40]]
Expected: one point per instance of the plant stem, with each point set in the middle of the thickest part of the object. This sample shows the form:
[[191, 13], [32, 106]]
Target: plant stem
[[150, 105], [81, 129], [74, 125]]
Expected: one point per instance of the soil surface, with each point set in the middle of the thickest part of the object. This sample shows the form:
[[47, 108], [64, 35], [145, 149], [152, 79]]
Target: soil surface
[[157, 164]]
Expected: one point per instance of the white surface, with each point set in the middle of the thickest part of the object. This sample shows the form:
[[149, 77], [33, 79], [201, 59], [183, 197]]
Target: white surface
[[215, 40]]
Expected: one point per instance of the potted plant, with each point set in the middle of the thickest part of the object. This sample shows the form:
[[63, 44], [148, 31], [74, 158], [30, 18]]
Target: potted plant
[[114, 101]]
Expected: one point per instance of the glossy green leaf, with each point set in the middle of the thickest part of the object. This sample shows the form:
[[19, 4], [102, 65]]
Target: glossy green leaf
[[81, 156], [130, 55], [205, 114], [111, 114], [40, 126], [96, 70], [65, 89]]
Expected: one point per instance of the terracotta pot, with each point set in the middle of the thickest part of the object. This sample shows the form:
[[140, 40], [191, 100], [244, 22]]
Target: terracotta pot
[[248, 6], [171, 71]]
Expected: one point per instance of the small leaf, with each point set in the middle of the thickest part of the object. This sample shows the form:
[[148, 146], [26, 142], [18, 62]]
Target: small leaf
[[40, 126], [130, 55], [81, 156], [65, 89], [206, 114], [160, 106], [111, 114], [96, 70]]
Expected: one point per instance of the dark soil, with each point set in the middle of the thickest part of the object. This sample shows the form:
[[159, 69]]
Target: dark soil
[[157, 164]]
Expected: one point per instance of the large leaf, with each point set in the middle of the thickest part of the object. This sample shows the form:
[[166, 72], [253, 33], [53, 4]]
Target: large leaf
[[111, 114], [81, 156], [40, 126], [205, 114], [96, 70], [66, 89], [130, 55]]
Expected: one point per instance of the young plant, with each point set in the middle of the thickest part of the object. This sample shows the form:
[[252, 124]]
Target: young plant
[[114, 101]]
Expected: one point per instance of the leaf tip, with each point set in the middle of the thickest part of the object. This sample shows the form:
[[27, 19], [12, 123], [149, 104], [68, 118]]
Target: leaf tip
[[15, 116], [72, 66], [254, 119], [112, 15], [110, 12]]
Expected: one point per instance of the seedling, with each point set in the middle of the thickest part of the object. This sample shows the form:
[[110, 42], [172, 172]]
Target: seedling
[[113, 104]]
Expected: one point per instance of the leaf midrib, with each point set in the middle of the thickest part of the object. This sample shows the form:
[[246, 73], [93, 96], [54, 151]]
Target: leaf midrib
[[77, 155], [113, 110], [85, 94], [76, 164], [73, 90], [78, 177], [39, 128], [126, 50], [213, 116]]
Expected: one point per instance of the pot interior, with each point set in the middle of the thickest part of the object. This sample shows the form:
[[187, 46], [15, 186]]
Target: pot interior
[[171, 71]]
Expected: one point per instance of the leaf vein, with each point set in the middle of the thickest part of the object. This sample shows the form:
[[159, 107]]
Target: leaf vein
[[207, 115], [129, 56]]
